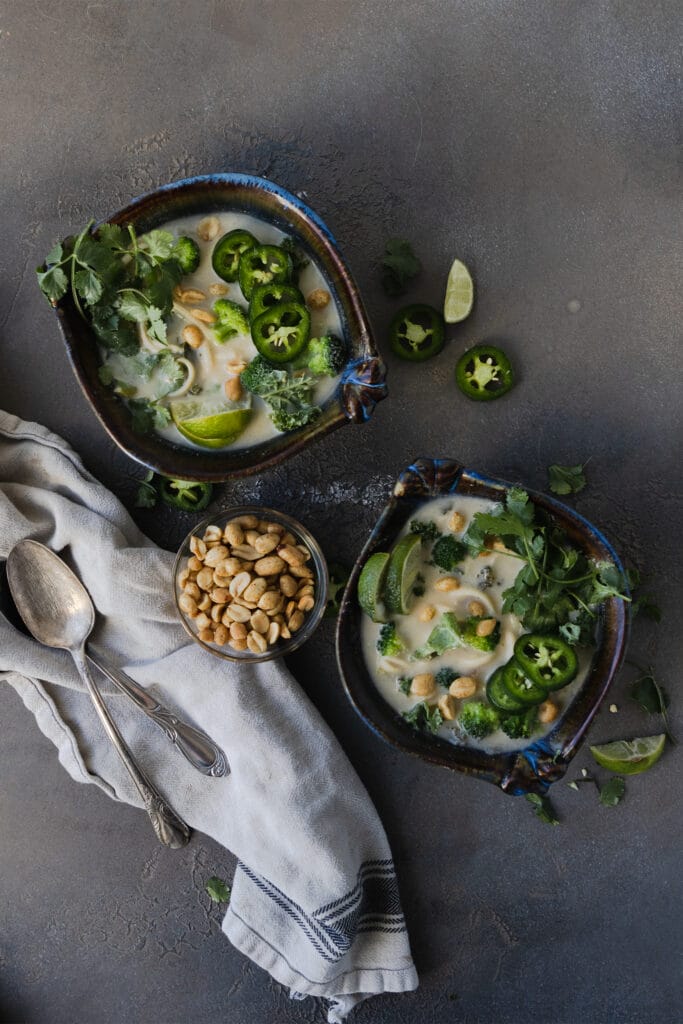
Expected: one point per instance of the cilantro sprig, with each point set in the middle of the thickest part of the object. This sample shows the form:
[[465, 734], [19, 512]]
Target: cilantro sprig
[[558, 587], [567, 479], [399, 266]]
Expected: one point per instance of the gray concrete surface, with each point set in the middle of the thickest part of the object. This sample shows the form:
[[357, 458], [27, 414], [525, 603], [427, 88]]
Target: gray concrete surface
[[538, 141]]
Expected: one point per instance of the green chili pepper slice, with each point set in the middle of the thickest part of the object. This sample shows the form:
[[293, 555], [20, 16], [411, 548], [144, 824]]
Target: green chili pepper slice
[[187, 495], [281, 333], [265, 296], [263, 265], [417, 332], [520, 686], [228, 251], [483, 373], [499, 695], [546, 660]]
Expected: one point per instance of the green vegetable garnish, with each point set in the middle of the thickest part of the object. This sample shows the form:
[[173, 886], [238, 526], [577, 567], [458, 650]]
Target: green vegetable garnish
[[338, 578], [417, 333], [483, 373], [187, 495], [427, 530], [399, 266], [543, 809], [612, 792], [218, 890], [477, 719], [231, 320], [448, 552], [426, 717], [566, 479], [289, 398], [323, 357], [389, 642], [147, 493]]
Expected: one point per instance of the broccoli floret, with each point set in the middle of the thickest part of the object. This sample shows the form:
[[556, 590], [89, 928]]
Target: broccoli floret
[[520, 727], [428, 531], [231, 320], [186, 252], [468, 633], [445, 676], [424, 716], [293, 418], [388, 641], [323, 357], [477, 719], [444, 637], [404, 683], [259, 376], [447, 552]]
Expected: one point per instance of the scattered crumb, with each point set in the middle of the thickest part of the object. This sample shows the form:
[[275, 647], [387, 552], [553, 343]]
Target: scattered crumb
[[613, 708], [584, 772]]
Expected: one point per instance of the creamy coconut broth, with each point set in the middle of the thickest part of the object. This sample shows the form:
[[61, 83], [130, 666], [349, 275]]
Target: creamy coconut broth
[[214, 363], [474, 578]]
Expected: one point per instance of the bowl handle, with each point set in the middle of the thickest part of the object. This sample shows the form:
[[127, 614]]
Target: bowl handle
[[363, 386], [429, 478], [534, 769]]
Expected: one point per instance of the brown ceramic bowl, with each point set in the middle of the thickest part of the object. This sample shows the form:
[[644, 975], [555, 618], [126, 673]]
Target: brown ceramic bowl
[[543, 761], [362, 382]]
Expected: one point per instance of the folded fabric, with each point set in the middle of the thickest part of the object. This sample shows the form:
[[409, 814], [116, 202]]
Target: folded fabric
[[314, 899]]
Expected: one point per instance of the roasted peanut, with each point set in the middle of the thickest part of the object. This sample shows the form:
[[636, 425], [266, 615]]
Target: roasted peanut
[[318, 298], [205, 579], [218, 289], [446, 706], [211, 534], [447, 583], [206, 635], [301, 571], [208, 228], [194, 564], [476, 608], [273, 633], [306, 603], [422, 684], [547, 712], [238, 612], [266, 543], [203, 621], [191, 295], [233, 389], [427, 613], [463, 686], [220, 635], [184, 578], [457, 522], [288, 585], [259, 621], [240, 583], [216, 612], [255, 590], [292, 555], [203, 315], [198, 547], [204, 603], [295, 621], [238, 644], [245, 552], [220, 595], [269, 565], [248, 521], [192, 335], [256, 642], [238, 631], [270, 601], [215, 555], [188, 605], [486, 627]]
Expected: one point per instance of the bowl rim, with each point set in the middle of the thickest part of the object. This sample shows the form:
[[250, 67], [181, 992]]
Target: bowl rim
[[313, 619], [362, 382], [532, 768]]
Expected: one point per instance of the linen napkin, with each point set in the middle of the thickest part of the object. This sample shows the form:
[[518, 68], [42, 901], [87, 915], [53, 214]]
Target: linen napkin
[[314, 898]]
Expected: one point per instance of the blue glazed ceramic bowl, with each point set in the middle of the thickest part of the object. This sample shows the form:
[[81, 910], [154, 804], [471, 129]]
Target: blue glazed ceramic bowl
[[362, 383], [543, 761]]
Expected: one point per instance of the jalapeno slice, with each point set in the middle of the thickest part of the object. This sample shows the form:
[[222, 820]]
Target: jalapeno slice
[[547, 660], [228, 251], [520, 686], [417, 332], [499, 695], [187, 495], [281, 333], [265, 296], [263, 265], [483, 373]]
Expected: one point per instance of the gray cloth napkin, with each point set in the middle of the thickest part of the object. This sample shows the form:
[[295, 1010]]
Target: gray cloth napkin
[[314, 898]]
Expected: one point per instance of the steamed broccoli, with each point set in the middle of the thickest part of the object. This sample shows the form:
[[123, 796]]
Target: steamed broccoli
[[468, 633], [424, 716], [289, 398], [447, 552], [388, 641], [323, 357], [429, 531], [231, 320], [259, 376], [520, 727], [445, 676], [186, 252], [444, 637], [477, 719]]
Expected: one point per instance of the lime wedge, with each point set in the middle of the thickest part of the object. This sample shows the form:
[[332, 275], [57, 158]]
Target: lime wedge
[[370, 584], [459, 294], [212, 422], [404, 564], [630, 757]]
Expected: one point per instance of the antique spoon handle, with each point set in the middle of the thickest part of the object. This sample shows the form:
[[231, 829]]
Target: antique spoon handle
[[170, 829], [198, 748]]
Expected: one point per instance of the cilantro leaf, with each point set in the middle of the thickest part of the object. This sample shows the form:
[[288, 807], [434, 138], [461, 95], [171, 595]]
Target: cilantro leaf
[[651, 696], [168, 374], [566, 479], [399, 266], [158, 244], [53, 283], [147, 415], [218, 890], [111, 235], [613, 791], [147, 493], [132, 305], [55, 254], [424, 716], [88, 285], [543, 809]]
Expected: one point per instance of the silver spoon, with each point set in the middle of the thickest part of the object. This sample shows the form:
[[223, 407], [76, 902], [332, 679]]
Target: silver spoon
[[58, 611]]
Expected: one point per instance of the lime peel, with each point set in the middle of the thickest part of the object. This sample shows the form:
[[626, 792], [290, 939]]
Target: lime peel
[[630, 757], [459, 297]]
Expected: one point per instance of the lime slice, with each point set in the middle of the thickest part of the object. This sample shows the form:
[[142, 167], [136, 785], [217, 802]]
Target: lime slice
[[630, 757], [459, 294], [211, 423], [404, 564], [370, 585]]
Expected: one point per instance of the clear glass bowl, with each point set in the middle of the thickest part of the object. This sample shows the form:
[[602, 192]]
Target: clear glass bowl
[[317, 563]]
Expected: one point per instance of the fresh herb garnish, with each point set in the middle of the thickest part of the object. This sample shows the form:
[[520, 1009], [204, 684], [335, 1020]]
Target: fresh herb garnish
[[558, 585], [613, 791], [399, 266], [567, 479], [339, 576], [147, 493], [424, 716], [445, 676], [289, 398], [543, 809], [404, 683], [218, 890], [429, 531], [147, 415], [652, 698]]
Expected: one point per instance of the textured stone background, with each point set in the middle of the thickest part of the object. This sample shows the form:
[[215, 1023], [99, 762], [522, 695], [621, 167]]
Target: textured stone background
[[538, 141]]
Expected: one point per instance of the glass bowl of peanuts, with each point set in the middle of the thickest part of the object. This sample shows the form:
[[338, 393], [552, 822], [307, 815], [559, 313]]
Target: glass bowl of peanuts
[[250, 584]]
